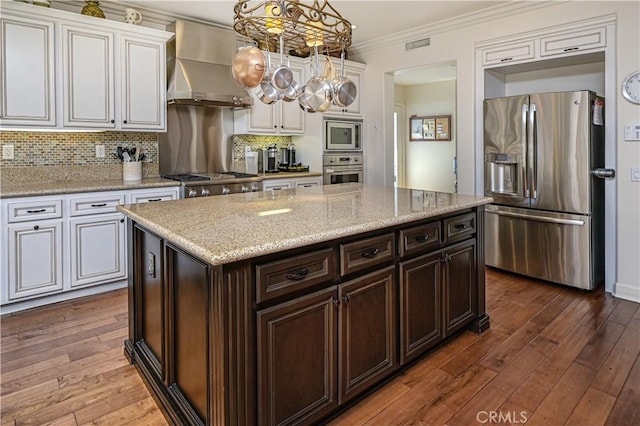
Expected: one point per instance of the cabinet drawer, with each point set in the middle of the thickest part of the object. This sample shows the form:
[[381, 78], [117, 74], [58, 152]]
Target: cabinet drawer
[[366, 253], [277, 186], [508, 53], [95, 204], [561, 44], [275, 279], [147, 197], [459, 227], [22, 211], [419, 239]]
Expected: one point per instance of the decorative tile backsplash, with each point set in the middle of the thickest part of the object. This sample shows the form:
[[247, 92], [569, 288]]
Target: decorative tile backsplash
[[32, 149], [255, 142]]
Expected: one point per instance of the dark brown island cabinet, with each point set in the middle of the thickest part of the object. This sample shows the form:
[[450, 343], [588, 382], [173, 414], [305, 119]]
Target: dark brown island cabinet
[[291, 337]]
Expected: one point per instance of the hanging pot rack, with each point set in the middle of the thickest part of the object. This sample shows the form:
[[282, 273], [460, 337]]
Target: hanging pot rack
[[302, 25]]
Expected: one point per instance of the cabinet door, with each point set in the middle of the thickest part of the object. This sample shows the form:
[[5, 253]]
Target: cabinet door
[[27, 83], [88, 93], [353, 109], [508, 53], [35, 258], [98, 250], [297, 360], [459, 279], [262, 117], [574, 41], [292, 118], [420, 305], [143, 84], [367, 332]]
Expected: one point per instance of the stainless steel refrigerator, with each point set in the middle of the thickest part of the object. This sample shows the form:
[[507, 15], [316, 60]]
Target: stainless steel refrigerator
[[544, 157]]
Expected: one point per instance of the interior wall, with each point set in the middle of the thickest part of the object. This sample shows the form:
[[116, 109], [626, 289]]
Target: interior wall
[[457, 43], [575, 77], [429, 165]]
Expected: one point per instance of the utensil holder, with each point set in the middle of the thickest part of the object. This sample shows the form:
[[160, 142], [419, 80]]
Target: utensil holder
[[132, 170]]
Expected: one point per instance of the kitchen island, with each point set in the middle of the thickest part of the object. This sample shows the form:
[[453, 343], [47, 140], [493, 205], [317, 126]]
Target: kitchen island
[[282, 307]]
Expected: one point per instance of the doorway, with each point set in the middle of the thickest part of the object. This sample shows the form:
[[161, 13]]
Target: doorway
[[425, 91]]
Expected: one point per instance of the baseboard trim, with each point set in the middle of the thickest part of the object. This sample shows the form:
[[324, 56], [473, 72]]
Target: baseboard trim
[[627, 292]]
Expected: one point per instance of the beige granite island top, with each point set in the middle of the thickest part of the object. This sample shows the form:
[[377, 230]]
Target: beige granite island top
[[235, 227]]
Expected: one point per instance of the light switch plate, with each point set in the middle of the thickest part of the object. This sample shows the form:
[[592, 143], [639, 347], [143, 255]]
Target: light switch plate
[[632, 133], [635, 174], [100, 151], [7, 152]]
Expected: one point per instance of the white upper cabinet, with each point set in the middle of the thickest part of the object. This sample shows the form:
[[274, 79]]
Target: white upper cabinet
[[88, 96], [569, 41], [285, 118], [352, 71], [143, 71], [67, 70], [27, 87]]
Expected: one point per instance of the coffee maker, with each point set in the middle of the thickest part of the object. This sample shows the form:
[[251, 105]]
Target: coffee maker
[[267, 159]]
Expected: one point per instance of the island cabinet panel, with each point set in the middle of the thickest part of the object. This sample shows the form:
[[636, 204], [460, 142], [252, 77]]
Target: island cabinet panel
[[459, 277], [188, 279], [297, 359], [367, 336], [151, 303], [420, 305]]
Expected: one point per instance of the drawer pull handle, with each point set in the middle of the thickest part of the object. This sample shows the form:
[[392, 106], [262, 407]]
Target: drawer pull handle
[[571, 49], [37, 211], [422, 238], [99, 205], [460, 226], [370, 253], [297, 275], [506, 59], [151, 200]]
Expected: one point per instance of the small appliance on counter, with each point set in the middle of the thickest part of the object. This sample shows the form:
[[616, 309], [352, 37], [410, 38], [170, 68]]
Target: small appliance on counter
[[267, 159]]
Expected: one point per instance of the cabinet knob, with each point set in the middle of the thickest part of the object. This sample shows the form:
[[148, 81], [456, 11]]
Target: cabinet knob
[[36, 227], [346, 298], [335, 301], [113, 121], [125, 121], [121, 220]]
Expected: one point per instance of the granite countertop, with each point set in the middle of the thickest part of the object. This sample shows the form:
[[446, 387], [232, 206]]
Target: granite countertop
[[29, 189], [236, 227]]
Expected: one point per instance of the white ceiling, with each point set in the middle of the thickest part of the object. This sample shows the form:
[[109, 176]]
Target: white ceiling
[[375, 19]]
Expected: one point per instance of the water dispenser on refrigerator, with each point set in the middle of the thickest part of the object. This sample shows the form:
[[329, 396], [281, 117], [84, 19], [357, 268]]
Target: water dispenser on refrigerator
[[504, 174]]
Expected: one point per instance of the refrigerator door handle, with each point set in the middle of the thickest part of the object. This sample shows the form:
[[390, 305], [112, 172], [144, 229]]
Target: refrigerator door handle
[[533, 151], [523, 170], [537, 218]]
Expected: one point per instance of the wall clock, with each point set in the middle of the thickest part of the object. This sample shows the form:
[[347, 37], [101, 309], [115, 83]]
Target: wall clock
[[631, 87]]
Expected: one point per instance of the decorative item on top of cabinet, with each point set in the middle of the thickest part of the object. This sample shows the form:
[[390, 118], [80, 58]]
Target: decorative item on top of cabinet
[[92, 8]]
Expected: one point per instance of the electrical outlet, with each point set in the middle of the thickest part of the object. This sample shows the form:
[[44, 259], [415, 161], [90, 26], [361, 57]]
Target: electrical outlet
[[632, 133], [635, 174], [7, 152], [100, 151]]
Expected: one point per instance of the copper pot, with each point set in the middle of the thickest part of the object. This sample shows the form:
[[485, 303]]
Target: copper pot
[[248, 67]]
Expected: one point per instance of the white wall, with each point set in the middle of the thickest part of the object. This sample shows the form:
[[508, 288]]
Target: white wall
[[455, 42], [429, 165]]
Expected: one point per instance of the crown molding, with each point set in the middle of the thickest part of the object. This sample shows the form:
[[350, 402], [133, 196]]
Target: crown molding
[[457, 22]]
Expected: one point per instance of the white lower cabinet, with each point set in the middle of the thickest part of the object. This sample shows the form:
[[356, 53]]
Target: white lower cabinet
[[54, 248], [98, 249], [290, 183], [34, 258]]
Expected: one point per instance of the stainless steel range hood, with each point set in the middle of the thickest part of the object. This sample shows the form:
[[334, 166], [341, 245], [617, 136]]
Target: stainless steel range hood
[[199, 66]]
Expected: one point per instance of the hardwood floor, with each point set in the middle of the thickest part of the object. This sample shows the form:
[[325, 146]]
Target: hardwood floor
[[553, 355]]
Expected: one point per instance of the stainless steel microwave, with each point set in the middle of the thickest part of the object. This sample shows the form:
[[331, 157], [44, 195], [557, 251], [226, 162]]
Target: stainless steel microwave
[[342, 134]]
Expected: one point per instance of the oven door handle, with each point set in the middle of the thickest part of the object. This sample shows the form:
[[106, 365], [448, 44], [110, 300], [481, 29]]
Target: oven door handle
[[343, 169]]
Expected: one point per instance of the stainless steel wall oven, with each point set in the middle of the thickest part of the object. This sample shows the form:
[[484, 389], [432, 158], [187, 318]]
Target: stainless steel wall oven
[[343, 168]]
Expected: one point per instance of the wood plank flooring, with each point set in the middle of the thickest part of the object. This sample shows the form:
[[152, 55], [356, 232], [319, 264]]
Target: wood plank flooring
[[554, 355]]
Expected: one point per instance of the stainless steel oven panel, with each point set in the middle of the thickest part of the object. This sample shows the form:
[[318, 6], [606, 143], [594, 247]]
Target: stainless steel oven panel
[[343, 174], [551, 246]]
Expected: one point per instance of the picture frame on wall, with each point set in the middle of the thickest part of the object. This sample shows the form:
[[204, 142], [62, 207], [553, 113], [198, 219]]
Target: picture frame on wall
[[434, 128]]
